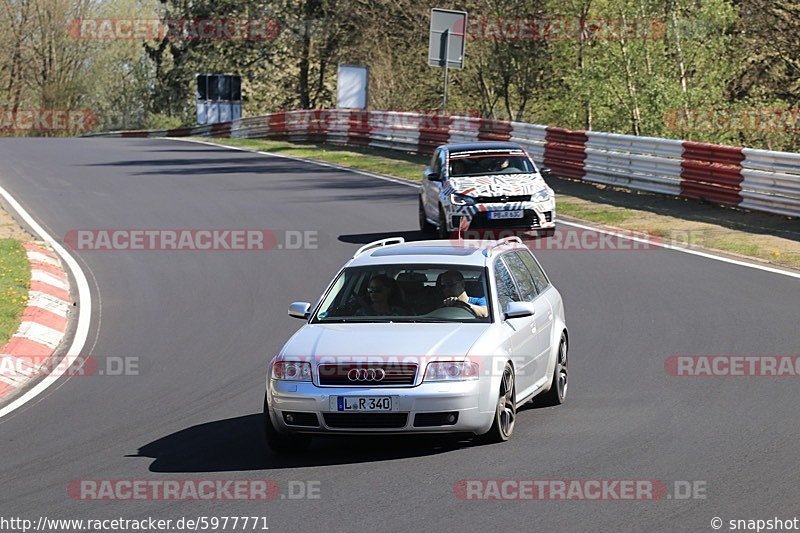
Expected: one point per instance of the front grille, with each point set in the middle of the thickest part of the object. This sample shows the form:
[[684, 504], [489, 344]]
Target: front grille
[[481, 221], [366, 420], [502, 199], [396, 374], [435, 419], [300, 419]]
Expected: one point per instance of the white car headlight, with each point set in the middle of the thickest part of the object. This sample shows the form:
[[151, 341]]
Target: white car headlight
[[461, 199], [451, 371], [291, 371], [542, 195]]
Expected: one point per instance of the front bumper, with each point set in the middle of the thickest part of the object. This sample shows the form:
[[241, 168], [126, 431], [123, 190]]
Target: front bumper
[[462, 399], [536, 215]]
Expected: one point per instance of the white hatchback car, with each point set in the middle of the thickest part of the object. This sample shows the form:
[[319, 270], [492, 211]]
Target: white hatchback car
[[421, 337], [492, 186]]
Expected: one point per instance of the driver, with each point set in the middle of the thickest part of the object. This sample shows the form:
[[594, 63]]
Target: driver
[[384, 296], [452, 284]]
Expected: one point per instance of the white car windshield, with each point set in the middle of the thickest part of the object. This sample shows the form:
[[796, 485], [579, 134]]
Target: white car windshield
[[480, 165], [407, 293]]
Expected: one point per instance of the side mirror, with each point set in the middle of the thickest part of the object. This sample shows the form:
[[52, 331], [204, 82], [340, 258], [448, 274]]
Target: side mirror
[[300, 310], [430, 175], [519, 309], [544, 171]]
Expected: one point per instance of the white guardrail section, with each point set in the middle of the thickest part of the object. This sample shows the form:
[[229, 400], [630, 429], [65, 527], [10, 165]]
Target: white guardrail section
[[771, 181], [250, 127], [394, 130], [465, 129], [532, 137], [641, 163]]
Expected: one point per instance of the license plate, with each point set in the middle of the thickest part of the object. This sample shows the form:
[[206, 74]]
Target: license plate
[[363, 403], [497, 215]]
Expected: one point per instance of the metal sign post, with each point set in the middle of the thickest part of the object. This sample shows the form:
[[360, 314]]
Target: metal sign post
[[446, 42], [446, 36]]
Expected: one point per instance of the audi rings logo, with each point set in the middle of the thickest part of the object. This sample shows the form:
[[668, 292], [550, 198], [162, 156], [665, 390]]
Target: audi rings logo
[[366, 374]]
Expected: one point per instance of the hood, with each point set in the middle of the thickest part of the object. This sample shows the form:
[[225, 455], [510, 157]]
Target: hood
[[384, 340], [497, 185]]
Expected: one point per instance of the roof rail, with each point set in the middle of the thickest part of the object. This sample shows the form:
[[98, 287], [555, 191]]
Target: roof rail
[[502, 242], [378, 244]]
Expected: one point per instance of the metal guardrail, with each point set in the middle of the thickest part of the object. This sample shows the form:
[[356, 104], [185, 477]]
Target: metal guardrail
[[771, 181]]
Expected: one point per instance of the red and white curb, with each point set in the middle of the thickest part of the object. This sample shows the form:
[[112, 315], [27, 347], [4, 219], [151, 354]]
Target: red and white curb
[[43, 325], [81, 295]]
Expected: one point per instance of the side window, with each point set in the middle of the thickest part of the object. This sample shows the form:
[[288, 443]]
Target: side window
[[442, 163], [536, 271], [506, 290], [532, 163], [527, 288], [436, 161]]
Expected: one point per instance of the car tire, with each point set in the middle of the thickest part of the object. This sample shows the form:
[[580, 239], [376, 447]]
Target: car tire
[[280, 442], [558, 387], [424, 225], [505, 413], [442, 230]]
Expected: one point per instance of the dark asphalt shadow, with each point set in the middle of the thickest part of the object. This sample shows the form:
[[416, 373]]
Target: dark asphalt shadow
[[243, 164], [204, 149], [417, 235], [366, 238], [239, 444]]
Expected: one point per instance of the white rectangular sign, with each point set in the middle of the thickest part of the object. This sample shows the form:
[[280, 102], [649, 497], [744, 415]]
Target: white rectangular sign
[[351, 87]]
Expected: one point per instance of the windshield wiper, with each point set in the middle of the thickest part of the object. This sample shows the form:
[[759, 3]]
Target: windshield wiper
[[360, 320]]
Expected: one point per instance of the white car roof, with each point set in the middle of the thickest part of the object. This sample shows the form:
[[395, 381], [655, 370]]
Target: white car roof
[[445, 252]]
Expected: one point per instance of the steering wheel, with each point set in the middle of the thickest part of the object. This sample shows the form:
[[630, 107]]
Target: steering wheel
[[463, 305]]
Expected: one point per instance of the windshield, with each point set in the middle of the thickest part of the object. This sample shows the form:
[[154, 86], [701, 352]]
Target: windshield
[[407, 293], [478, 165]]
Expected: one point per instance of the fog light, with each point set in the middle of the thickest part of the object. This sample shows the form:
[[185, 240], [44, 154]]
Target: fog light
[[451, 418], [289, 418]]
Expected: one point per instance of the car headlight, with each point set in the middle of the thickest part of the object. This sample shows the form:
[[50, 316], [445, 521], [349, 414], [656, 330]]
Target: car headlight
[[461, 199], [451, 371], [542, 196], [291, 371]]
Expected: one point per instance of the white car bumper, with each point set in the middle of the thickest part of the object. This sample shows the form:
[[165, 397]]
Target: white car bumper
[[535, 215], [435, 401]]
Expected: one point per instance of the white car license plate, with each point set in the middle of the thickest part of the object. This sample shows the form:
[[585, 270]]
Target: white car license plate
[[363, 403], [496, 215]]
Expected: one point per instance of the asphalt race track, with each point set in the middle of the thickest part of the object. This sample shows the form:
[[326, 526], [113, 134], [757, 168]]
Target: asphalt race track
[[204, 324]]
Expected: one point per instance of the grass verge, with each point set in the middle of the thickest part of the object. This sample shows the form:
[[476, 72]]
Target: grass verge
[[15, 278], [765, 238]]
